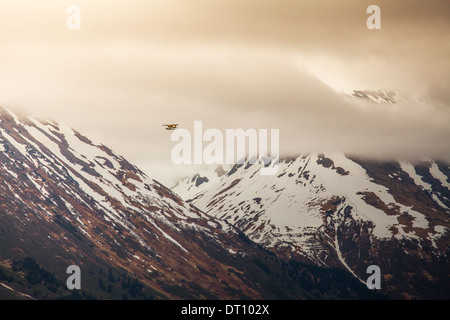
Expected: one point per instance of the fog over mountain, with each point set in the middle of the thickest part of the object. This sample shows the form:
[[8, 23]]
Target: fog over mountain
[[231, 64], [87, 176]]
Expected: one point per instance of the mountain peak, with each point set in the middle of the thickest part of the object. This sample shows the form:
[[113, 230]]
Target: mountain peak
[[337, 210], [66, 200], [87, 205], [379, 96]]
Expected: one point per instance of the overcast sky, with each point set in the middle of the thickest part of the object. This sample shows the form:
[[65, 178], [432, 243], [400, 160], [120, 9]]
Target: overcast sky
[[282, 64]]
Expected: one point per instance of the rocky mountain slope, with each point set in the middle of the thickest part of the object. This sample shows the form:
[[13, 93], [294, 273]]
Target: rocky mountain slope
[[66, 200], [342, 211]]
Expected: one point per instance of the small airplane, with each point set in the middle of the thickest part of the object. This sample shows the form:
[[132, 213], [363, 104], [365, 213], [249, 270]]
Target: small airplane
[[171, 126]]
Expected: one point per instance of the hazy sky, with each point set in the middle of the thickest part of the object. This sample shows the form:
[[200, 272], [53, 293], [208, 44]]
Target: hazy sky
[[280, 64]]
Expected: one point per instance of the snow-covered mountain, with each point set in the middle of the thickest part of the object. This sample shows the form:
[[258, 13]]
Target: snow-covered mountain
[[379, 96], [337, 210], [66, 200], [58, 187]]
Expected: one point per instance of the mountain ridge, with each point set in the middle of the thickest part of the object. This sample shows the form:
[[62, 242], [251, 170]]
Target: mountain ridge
[[65, 200], [332, 210]]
